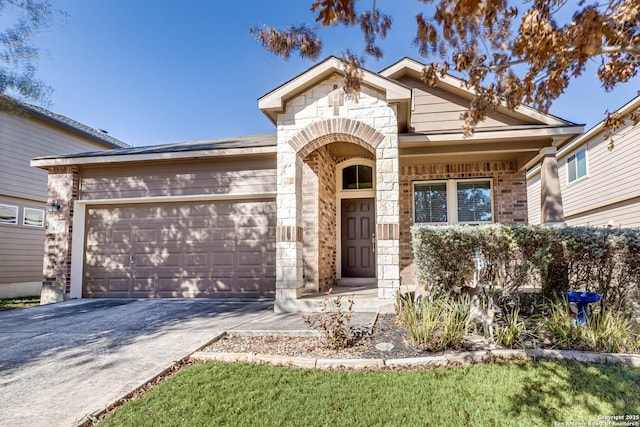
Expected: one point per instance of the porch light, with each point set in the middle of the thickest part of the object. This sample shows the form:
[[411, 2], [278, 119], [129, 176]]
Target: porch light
[[54, 206]]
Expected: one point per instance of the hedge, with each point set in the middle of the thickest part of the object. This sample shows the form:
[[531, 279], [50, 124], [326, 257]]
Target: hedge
[[552, 259]]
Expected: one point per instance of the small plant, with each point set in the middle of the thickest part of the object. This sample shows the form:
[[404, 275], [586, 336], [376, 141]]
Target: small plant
[[436, 324], [611, 332], [334, 321], [605, 330], [512, 331], [562, 326]]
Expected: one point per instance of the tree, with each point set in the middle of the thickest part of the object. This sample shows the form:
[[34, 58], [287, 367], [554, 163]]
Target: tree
[[17, 53], [506, 55]]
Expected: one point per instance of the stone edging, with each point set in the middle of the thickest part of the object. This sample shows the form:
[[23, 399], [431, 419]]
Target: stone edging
[[443, 360]]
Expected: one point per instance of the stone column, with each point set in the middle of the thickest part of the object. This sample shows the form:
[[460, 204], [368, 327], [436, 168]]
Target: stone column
[[289, 267], [388, 217], [551, 210], [63, 187]]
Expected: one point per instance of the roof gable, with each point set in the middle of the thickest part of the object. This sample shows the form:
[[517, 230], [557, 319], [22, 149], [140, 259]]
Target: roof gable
[[274, 102], [408, 67]]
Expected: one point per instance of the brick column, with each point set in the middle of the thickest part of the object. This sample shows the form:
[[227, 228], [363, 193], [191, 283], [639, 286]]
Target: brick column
[[388, 217], [551, 209], [289, 267], [63, 187]]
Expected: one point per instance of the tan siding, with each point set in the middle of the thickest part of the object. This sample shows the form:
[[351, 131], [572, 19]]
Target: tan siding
[[436, 109], [226, 176], [533, 196], [612, 176], [23, 138], [21, 247], [625, 214]]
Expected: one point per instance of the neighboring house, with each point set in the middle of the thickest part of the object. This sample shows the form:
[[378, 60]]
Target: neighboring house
[[598, 178], [331, 194], [29, 132]]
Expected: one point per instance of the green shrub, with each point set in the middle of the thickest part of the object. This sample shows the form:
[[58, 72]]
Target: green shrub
[[554, 260]]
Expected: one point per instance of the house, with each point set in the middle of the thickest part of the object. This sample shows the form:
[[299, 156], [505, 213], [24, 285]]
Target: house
[[331, 194], [597, 177], [26, 132]]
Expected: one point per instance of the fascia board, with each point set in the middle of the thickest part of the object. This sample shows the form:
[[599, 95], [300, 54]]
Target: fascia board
[[126, 158]]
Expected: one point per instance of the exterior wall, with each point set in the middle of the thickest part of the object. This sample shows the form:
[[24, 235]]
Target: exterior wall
[[223, 176], [22, 138], [436, 109], [319, 220], [611, 181], [609, 194], [296, 124], [509, 193], [63, 186], [21, 252]]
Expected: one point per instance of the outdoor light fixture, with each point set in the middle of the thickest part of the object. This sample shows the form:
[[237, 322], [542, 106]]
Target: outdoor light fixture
[[54, 206]]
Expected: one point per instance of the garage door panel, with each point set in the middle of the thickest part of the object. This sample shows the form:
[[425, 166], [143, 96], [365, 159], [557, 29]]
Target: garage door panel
[[198, 249]]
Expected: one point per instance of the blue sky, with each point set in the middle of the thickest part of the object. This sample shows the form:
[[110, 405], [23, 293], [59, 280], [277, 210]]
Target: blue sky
[[153, 72]]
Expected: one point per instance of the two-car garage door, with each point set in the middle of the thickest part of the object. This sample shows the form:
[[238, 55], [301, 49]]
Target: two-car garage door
[[190, 249]]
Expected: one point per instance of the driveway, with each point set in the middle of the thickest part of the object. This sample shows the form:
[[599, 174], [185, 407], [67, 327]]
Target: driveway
[[61, 362]]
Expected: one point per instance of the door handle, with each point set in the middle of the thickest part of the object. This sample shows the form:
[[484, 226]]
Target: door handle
[[130, 259], [373, 242]]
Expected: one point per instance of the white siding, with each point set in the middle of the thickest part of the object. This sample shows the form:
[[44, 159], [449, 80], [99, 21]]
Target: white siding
[[23, 138]]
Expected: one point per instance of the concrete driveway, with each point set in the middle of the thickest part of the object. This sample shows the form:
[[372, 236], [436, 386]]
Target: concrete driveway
[[61, 362]]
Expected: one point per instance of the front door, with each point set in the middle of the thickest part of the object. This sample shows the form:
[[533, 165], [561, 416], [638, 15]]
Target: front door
[[358, 237]]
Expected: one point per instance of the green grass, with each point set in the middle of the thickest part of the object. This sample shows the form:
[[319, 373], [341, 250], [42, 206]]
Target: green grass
[[513, 394], [22, 302]]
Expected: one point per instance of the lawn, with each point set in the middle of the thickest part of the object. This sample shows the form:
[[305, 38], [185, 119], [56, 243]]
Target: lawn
[[22, 302], [511, 394]]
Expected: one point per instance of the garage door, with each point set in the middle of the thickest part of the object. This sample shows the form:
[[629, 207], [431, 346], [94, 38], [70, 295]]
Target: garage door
[[180, 250]]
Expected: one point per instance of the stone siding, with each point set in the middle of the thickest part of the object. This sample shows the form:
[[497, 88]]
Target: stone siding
[[311, 121]]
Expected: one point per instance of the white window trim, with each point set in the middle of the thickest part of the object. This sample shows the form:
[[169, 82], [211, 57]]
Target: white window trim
[[24, 217], [586, 164], [452, 201], [17, 213]]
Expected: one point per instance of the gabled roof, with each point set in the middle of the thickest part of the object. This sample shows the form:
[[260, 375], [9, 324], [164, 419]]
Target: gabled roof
[[410, 67], [97, 135], [274, 101]]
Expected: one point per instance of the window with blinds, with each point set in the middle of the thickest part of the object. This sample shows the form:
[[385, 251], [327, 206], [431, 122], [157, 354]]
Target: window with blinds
[[430, 201], [474, 201], [453, 201], [577, 165]]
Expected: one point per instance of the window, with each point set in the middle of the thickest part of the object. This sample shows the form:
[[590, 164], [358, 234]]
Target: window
[[430, 199], [577, 165], [8, 214], [33, 217], [453, 201], [357, 177]]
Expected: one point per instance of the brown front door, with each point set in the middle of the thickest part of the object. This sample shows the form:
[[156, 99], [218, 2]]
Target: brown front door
[[358, 228]]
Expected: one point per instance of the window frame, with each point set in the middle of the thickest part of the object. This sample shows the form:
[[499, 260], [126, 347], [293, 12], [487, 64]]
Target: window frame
[[451, 189], [16, 215], [24, 217], [574, 156]]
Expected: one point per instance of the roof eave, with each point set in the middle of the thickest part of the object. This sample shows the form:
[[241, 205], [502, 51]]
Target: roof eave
[[49, 162]]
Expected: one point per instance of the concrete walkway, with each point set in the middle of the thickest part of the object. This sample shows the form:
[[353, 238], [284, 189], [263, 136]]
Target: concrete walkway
[[62, 362]]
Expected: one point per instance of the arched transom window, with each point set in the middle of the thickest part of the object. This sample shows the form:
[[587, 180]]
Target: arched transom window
[[357, 177]]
